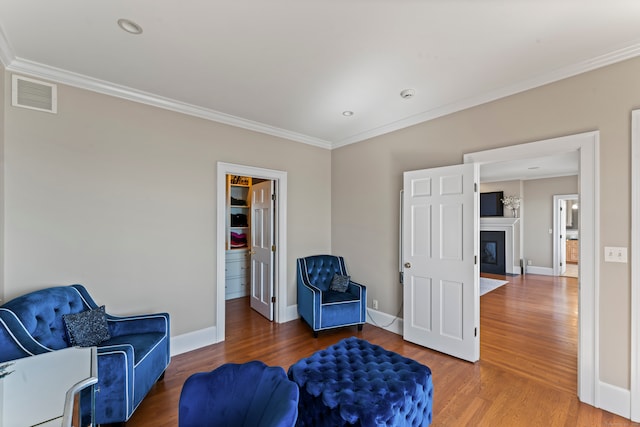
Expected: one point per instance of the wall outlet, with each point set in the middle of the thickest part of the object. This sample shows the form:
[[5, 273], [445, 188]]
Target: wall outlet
[[529, 262], [615, 254], [375, 304]]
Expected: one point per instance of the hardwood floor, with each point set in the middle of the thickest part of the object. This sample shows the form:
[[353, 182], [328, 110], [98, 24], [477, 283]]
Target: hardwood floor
[[526, 375]]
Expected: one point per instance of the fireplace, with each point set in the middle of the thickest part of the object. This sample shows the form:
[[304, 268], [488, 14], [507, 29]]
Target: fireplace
[[509, 241], [492, 252]]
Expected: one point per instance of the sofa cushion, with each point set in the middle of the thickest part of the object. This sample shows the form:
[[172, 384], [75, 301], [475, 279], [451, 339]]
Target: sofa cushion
[[332, 297], [142, 343], [87, 328]]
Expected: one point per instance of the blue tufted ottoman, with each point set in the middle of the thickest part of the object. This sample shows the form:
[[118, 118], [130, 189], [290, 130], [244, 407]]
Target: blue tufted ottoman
[[354, 382]]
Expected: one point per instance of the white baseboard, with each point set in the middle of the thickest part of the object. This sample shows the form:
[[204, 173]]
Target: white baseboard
[[615, 399], [545, 271], [290, 314], [385, 321], [193, 340]]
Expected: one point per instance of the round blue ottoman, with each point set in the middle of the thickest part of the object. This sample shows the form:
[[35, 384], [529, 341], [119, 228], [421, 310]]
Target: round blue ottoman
[[354, 382]]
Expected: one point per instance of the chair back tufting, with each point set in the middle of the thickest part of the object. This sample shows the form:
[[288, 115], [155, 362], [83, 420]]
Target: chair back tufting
[[319, 269], [39, 314]]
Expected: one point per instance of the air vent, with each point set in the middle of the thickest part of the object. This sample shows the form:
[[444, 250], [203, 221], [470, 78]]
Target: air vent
[[34, 94]]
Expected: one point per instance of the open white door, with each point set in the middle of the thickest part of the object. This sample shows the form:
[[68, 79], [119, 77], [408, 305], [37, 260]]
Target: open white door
[[441, 277], [262, 248], [562, 216]]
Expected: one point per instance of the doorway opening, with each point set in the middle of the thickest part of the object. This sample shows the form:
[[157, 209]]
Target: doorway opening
[[587, 146], [250, 243], [566, 235], [278, 249]]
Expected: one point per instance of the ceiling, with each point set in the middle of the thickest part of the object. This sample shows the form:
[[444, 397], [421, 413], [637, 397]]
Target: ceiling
[[291, 67], [564, 164]]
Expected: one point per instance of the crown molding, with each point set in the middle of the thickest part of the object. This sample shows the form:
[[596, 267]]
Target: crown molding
[[20, 65], [34, 69], [613, 57], [6, 53]]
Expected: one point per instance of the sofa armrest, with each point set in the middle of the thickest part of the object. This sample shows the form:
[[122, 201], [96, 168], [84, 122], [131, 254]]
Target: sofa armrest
[[139, 324], [359, 291], [115, 389], [309, 301], [15, 341], [356, 289]]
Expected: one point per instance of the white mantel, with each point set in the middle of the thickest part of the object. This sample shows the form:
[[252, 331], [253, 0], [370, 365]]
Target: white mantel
[[508, 226]]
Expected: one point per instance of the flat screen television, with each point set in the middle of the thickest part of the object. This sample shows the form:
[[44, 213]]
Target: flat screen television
[[491, 203]]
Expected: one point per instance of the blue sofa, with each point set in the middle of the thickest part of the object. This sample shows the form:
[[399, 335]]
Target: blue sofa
[[129, 362], [321, 306]]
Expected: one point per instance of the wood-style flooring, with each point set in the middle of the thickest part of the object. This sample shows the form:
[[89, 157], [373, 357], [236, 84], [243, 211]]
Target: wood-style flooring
[[526, 375]]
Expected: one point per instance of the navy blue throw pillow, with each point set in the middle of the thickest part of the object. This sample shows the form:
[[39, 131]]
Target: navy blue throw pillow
[[340, 283], [87, 328]]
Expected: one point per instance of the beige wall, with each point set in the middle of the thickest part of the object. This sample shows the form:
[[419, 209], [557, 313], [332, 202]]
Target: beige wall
[[2, 111], [538, 243], [121, 197], [367, 178]]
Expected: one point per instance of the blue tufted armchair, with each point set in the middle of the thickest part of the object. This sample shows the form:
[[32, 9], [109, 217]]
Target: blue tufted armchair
[[129, 362], [319, 304], [250, 394]]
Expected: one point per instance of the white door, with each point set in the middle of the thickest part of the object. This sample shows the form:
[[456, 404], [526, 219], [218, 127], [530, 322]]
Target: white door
[[262, 248], [562, 216], [441, 274]]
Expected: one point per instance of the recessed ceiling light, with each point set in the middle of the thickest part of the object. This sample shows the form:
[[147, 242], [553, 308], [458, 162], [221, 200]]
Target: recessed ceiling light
[[407, 93], [129, 26], [347, 113]]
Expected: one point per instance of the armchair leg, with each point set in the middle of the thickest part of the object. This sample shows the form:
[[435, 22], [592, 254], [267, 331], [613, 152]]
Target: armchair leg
[[315, 334], [161, 377], [360, 326]]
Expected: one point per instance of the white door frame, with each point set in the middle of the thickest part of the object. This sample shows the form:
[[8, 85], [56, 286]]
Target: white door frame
[[588, 146], [635, 265], [557, 270], [280, 258]]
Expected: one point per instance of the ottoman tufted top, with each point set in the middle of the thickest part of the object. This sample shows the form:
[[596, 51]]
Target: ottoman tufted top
[[365, 382]]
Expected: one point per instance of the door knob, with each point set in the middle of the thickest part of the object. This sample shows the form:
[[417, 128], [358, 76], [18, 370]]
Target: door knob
[[407, 265]]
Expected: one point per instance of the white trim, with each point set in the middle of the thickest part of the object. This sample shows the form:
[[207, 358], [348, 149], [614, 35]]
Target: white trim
[[546, 78], [291, 313], [35, 69], [635, 266], [588, 146], [224, 169], [6, 53], [615, 399], [385, 321], [544, 271], [193, 340]]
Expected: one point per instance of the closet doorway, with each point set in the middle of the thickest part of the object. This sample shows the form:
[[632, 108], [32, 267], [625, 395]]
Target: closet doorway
[[255, 216]]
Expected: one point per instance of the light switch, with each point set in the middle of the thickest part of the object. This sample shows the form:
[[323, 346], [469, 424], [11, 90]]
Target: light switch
[[615, 254]]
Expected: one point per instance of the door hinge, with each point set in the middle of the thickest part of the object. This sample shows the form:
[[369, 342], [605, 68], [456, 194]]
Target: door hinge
[[401, 278], [475, 187], [475, 260], [273, 197], [273, 300], [475, 332], [273, 248]]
